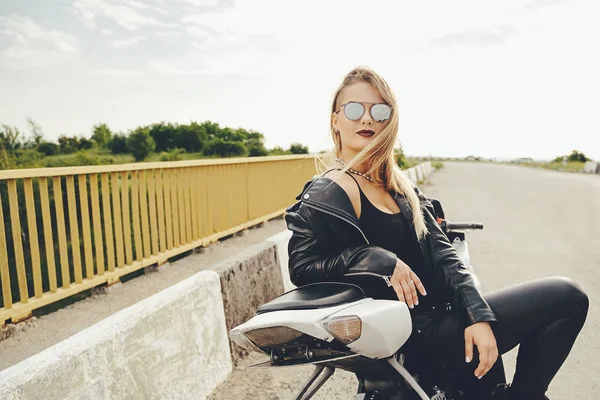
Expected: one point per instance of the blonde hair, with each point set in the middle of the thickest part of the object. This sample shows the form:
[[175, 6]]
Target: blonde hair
[[380, 151]]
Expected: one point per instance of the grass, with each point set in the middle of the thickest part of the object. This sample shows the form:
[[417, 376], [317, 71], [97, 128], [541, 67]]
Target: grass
[[571, 166]]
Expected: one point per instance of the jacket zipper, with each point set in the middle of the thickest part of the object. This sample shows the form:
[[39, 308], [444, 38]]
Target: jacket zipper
[[386, 278]]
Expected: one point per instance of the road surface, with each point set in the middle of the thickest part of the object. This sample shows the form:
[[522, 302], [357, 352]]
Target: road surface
[[538, 223]]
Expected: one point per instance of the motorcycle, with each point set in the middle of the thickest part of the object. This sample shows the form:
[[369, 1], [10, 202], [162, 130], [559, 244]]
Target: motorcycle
[[333, 325]]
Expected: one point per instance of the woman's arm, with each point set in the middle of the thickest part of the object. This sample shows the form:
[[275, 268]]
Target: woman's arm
[[455, 276], [311, 261]]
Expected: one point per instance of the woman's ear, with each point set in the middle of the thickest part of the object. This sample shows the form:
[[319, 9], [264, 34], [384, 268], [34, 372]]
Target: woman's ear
[[334, 122]]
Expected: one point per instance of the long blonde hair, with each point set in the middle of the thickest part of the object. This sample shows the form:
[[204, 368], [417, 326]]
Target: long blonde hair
[[380, 151]]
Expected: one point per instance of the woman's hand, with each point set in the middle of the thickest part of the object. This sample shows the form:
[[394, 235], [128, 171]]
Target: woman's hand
[[482, 336], [405, 282]]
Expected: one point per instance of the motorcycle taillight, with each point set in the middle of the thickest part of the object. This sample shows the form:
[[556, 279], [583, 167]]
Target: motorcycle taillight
[[272, 336], [346, 329]]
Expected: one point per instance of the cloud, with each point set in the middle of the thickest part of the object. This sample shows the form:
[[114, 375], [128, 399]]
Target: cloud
[[125, 13], [477, 37], [117, 72], [128, 42], [34, 45], [106, 32], [544, 3], [210, 5]]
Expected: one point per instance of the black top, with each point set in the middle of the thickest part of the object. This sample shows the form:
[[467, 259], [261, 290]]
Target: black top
[[393, 232]]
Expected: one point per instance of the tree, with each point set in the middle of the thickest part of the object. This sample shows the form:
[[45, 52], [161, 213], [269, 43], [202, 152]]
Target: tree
[[297, 148], [211, 128], [68, 144], [231, 135], [165, 136], [48, 148], [225, 148], [257, 149], [36, 132], [85, 144], [255, 142], [117, 144], [9, 138], [577, 156], [192, 137], [278, 151], [400, 157], [140, 144], [101, 134]]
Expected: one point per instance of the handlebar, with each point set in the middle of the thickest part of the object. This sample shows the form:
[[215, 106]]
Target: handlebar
[[462, 225]]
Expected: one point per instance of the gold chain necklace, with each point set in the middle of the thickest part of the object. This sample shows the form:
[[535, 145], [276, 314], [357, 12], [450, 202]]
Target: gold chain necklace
[[367, 177]]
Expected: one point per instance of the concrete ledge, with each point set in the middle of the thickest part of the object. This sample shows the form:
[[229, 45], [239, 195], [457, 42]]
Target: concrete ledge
[[281, 242], [170, 345], [419, 172], [249, 280], [592, 167]]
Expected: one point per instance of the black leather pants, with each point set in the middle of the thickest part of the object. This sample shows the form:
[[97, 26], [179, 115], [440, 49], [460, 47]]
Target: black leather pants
[[544, 316]]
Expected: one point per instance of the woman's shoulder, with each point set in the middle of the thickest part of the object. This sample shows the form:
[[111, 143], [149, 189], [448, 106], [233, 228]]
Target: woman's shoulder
[[348, 184]]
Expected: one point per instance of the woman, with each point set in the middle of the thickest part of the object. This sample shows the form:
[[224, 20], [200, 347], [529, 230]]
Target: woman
[[364, 215]]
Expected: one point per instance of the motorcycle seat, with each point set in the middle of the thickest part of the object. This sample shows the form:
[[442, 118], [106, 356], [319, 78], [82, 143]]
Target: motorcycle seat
[[313, 296]]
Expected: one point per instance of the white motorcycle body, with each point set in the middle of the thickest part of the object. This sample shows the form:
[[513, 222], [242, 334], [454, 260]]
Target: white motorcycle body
[[385, 326]]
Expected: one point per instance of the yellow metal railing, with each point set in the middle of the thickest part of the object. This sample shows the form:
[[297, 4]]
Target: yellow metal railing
[[65, 230]]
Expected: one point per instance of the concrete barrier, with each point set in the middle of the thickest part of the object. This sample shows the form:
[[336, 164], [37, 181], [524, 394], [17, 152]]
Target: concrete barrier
[[171, 345], [251, 278], [591, 167], [281, 240], [420, 175], [412, 174], [419, 172]]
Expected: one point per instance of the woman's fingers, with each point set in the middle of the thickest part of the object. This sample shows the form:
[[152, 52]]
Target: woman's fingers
[[405, 280], [483, 362], [493, 357], [408, 294], [468, 347], [418, 284], [488, 357], [398, 289]]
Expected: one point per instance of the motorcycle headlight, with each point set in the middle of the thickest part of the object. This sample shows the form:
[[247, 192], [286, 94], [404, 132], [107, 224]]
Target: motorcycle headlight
[[272, 336], [346, 329]]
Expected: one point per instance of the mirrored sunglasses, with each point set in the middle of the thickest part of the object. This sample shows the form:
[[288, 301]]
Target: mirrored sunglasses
[[354, 111]]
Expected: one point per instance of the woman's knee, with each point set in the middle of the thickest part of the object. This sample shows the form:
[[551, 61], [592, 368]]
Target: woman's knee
[[571, 292]]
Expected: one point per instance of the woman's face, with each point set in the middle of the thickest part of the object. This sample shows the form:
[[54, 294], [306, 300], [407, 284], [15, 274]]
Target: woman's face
[[355, 135]]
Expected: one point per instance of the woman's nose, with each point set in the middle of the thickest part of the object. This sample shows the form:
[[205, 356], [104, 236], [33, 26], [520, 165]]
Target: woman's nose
[[366, 118]]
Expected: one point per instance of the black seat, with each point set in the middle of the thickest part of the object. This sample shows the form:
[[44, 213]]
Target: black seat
[[313, 296]]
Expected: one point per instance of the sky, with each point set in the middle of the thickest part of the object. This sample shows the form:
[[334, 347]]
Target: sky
[[496, 79]]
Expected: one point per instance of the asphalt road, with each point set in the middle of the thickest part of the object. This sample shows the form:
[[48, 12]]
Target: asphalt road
[[538, 223]]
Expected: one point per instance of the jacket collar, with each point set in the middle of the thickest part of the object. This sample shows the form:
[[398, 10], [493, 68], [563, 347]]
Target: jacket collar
[[322, 192]]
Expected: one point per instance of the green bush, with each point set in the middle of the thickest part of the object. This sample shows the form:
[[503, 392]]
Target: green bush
[[257, 150], [48, 148], [278, 151], [297, 148], [101, 134], [118, 144], [140, 144], [225, 148], [173, 155]]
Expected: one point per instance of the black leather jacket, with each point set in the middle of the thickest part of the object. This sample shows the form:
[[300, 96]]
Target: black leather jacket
[[327, 244]]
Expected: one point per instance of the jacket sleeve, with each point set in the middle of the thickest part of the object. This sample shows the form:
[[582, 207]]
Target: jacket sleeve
[[451, 271], [310, 259]]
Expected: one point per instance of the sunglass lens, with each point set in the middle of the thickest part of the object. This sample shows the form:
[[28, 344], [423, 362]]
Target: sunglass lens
[[381, 112], [354, 111]]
